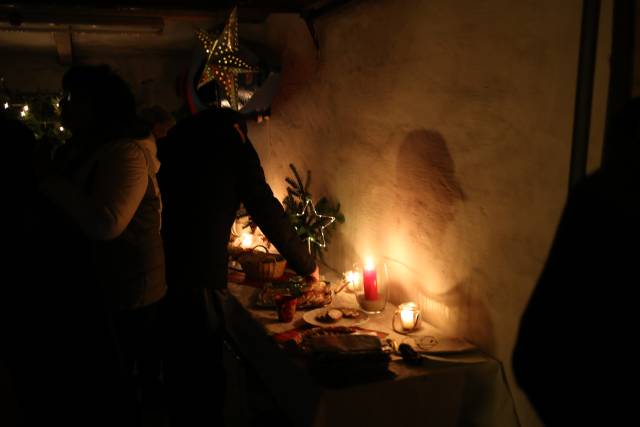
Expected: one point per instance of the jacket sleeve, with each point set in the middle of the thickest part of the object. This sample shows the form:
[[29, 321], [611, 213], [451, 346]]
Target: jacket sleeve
[[111, 196], [267, 211]]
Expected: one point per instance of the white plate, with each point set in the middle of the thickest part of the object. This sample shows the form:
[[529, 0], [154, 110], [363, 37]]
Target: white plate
[[310, 317], [442, 345]]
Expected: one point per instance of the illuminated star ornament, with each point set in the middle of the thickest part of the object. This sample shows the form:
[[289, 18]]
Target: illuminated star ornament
[[223, 63], [315, 218]]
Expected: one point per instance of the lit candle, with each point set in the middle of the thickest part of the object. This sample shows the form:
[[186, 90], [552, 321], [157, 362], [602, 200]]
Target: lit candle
[[370, 280], [409, 315], [406, 316], [353, 280], [247, 240]]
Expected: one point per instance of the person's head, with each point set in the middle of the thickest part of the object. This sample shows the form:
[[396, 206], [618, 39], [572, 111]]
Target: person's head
[[622, 147], [158, 120], [97, 101]]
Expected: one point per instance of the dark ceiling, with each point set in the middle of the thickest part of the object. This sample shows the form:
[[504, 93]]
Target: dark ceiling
[[248, 10], [157, 24]]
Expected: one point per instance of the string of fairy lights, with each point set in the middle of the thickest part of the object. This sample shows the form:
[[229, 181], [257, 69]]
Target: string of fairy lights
[[39, 111]]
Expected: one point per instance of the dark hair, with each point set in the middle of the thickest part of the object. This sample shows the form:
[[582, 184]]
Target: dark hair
[[110, 97], [155, 114]]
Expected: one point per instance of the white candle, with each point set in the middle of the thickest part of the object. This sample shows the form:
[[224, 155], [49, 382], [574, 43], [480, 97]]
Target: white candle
[[409, 315], [406, 316]]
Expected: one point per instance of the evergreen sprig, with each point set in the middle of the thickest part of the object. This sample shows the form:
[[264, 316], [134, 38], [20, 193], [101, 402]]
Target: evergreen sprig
[[307, 226]]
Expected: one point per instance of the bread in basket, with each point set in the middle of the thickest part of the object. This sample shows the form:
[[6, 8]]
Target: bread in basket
[[262, 266]]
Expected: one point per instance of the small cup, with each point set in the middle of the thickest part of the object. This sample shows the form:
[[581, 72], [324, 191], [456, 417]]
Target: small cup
[[406, 318], [286, 307]]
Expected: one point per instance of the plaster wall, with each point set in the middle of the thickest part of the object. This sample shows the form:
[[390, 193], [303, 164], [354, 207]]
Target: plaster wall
[[444, 130]]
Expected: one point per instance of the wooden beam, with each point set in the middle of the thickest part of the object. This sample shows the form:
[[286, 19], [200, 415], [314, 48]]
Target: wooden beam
[[64, 46]]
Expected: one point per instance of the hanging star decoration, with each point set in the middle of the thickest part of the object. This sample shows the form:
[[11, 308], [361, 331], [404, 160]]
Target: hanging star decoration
[[223, 63], [314, 219], [312, 227]]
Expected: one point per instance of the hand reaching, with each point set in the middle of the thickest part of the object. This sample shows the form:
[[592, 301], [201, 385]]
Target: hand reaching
[[315, 276]]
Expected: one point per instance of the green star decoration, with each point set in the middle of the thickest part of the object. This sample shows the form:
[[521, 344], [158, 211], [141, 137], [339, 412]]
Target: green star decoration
[[223, 63], [315, 218]]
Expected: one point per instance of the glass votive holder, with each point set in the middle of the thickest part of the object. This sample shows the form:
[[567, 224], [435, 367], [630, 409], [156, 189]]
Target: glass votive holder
[[372, 285], [406, 318]]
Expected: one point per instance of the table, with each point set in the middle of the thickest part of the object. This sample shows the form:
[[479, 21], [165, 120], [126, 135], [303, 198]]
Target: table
[[456, 389]]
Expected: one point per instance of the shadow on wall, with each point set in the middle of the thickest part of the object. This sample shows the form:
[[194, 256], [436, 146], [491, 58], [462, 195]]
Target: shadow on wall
[[460, 312], [427, 193], [426, 183]]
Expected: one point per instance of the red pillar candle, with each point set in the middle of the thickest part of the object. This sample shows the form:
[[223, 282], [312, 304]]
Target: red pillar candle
[[370, 281]]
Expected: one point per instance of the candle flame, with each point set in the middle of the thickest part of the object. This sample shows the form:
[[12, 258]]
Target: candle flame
[[406, 316], [409, 315], [349, 276], [353, 277], [247, 240], [369, 264]]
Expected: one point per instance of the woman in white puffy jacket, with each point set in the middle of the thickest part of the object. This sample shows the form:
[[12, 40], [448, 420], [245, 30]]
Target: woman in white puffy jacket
[[104, 180]]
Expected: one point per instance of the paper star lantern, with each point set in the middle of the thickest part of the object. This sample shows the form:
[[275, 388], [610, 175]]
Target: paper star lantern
[[315, 218], [223, 63]]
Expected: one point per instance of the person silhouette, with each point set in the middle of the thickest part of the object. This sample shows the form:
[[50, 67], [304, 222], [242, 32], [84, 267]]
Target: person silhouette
[[59, 344], [159, 120], [209, 168], [103, 182], [569, 354]]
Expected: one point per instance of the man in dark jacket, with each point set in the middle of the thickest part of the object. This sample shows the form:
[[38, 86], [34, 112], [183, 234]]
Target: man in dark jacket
[[572, 352], [208, 168]]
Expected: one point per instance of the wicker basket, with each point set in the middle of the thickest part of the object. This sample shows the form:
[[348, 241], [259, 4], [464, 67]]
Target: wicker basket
[[262, 266]]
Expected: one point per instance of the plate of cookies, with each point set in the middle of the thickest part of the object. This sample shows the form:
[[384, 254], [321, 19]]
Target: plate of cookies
[[335, 316]]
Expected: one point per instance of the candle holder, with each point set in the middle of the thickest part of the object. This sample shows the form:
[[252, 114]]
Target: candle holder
[[372, 286], [406, 318]]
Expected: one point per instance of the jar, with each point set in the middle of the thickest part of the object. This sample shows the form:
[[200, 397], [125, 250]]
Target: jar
[[372, 290]]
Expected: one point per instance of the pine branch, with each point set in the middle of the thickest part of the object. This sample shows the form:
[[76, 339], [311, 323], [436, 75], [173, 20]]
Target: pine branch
[[307, 226], [307, 183], [291, 182], [299, 181]]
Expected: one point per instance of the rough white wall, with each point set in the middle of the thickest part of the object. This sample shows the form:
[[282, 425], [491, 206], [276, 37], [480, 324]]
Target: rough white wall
[[444, 129]]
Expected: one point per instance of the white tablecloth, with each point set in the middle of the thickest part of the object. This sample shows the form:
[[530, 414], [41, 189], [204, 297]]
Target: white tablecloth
[[453, 389]]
